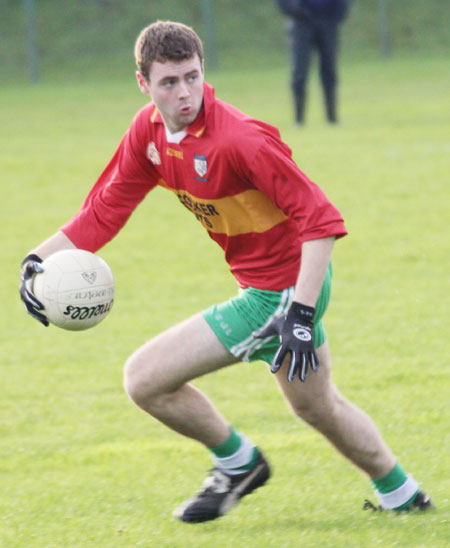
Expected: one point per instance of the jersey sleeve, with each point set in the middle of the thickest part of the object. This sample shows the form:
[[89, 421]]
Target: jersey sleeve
[[273, 171], [124, 183]]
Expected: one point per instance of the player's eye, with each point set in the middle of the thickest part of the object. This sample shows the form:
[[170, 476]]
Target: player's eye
[[169, 83]]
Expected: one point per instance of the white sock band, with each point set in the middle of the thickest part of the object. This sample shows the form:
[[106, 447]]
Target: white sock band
[[240, 458], [396, 498]]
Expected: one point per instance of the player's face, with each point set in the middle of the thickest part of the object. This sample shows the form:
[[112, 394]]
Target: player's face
[[177, 90]]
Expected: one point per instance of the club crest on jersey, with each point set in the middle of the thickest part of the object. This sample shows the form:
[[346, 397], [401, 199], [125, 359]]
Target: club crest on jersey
[[200, 164], [153, 154]]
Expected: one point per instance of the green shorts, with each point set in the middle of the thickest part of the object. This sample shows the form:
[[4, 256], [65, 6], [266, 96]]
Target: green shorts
[[235, 320]]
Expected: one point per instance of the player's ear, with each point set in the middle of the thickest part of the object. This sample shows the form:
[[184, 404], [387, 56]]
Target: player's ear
[[142, 83]]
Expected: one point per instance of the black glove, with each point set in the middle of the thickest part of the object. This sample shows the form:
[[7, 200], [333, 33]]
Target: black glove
[[31, 266], [296, 337]]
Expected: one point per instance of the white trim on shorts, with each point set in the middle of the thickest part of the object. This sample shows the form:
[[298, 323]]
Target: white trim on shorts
[[248, 346]]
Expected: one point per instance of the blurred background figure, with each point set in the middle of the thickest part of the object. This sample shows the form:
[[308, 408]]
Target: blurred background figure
[[314, 24]]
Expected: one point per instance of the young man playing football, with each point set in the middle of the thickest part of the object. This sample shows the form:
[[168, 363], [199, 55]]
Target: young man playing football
[[277, 229]]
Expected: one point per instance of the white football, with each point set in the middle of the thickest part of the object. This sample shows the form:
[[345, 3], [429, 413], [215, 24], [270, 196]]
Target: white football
[[76, 288]]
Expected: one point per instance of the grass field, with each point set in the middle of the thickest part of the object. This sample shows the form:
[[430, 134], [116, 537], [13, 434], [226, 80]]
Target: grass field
[[81, 467], [78, 38]]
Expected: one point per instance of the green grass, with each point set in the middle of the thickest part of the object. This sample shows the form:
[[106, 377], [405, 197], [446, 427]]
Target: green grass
[[82, 467], [92, 38]]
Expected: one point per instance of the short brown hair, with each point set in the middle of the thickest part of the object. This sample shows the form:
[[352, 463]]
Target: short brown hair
[[165, 41]]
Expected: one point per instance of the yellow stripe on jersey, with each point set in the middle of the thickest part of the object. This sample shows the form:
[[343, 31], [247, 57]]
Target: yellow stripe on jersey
[[200, 132], [248, 211], [154, 115]]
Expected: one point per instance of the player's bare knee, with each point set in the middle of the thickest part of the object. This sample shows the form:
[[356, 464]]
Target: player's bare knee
[[149, 396], [136, 382], [316, 411], [308, 412]]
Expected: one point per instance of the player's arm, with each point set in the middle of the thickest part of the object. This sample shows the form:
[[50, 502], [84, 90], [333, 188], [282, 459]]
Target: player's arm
[[296, 328], [31, 266], [316, 255], [57, 242], [120, 188]]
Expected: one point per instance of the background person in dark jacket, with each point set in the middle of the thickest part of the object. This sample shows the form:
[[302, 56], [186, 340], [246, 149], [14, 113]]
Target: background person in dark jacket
[[314, 25]]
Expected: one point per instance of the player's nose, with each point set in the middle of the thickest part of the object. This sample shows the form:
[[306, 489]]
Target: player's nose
[[183, 90]]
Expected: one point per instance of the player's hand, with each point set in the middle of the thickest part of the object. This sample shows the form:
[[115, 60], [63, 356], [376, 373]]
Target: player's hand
[[30, 267], [296, 338]]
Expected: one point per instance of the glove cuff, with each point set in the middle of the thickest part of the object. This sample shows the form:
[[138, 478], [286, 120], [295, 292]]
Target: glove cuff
[[31, 257], [302, 312]]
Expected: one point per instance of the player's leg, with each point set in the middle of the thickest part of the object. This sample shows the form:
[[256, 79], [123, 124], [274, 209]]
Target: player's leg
[[318, 402], [157, 379], [157, 376]]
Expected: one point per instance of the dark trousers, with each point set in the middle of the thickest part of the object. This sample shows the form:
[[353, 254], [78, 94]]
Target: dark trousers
[[306, 35]]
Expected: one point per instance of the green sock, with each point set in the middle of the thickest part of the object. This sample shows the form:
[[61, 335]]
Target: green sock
[[392, 481], [251, 462], [237, 454], [228, 447]]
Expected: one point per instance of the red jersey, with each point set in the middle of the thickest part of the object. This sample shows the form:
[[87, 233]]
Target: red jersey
[[233, 173]]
